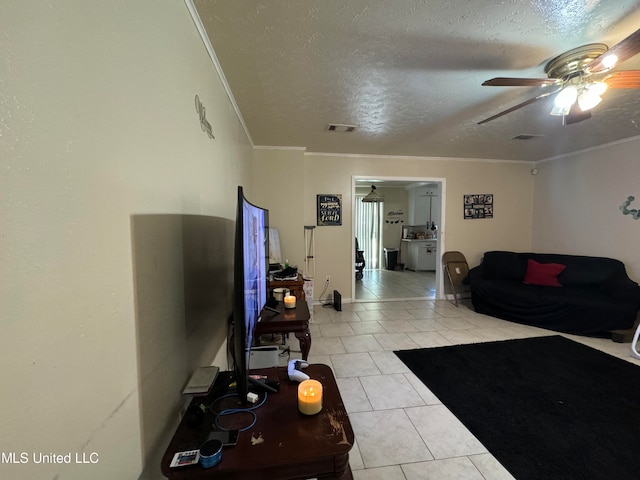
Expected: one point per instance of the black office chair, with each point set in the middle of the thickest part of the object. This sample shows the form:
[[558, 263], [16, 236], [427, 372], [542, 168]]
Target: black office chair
[[359, 261]]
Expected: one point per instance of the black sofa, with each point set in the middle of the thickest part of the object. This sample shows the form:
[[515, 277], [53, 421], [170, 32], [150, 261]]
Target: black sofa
[[592, 296]]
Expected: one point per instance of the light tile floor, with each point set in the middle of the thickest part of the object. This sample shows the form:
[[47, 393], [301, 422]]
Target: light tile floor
[[393, 284], [402, 430]]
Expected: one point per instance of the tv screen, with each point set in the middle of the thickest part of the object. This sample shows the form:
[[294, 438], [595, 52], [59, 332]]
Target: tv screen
[[251, 266]]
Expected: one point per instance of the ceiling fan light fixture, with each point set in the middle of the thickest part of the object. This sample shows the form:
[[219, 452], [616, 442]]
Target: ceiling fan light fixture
[[588, 99], [597, 87], [566, 97], [609, 61], [373, 196], [570, 71]]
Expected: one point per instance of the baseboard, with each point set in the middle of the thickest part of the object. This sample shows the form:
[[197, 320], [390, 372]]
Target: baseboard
[[449, 296]]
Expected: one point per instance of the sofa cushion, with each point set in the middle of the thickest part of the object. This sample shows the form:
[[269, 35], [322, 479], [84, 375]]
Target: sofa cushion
[[507, 292], [544, 274], [589, 299], [582, 270], [499, 265]]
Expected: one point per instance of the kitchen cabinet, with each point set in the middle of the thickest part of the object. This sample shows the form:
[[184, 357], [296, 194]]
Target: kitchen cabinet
[[424, 205], [419, 254]]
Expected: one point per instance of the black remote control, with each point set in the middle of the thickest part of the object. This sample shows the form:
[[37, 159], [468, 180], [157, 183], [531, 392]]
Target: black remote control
[[273, 384], [262, 384]]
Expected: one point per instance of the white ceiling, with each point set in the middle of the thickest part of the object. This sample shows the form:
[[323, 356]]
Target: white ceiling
[[409, 73]]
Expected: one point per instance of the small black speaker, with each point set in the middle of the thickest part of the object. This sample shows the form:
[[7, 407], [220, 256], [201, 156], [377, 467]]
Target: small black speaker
[[337, 300]]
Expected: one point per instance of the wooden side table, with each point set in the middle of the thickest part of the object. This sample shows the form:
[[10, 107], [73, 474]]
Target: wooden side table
[[295, 286], [283, 444], [294, 320]]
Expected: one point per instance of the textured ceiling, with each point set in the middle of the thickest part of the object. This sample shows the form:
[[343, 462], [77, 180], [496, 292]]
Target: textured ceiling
[[409, 73]]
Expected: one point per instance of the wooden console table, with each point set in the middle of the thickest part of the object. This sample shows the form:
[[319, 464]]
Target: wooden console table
[[283, 444], [295, 286], [295, 320]]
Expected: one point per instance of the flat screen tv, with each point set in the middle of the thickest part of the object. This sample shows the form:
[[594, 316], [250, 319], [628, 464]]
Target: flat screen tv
[[251, 267]]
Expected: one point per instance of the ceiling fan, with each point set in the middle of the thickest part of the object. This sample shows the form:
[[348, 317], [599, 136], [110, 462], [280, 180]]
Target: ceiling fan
[[579, 77]]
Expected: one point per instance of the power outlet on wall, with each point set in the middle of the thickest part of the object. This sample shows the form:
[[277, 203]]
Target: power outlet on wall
[[328, 279]]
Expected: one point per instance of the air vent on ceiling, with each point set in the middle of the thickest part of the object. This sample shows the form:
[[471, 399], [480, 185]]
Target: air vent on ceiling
[[526, 136], [341, 127]]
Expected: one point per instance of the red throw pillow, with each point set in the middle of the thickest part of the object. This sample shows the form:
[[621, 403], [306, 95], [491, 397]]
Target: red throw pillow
[[545, 274]]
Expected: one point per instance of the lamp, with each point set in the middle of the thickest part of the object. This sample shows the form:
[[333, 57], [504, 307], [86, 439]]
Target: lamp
[[373, 196], [586, 94], [564, 100], [609, 61], [597, 87], [590, 96], [587, 100]]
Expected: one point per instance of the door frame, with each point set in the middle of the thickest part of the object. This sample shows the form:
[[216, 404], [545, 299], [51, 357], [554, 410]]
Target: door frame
[[442, 237]]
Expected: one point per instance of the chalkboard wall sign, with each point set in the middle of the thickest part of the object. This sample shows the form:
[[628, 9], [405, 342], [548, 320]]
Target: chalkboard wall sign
[[329, 210]]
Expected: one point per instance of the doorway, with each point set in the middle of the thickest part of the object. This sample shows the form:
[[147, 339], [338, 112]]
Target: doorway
[[368, 229], [383, 223]]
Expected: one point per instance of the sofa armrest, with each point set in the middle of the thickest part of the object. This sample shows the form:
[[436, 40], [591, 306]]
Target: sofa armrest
[[476, 275], [623, 290]]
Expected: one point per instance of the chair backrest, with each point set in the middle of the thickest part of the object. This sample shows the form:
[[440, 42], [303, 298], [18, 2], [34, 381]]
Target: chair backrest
[[456, 267], [453, 256]]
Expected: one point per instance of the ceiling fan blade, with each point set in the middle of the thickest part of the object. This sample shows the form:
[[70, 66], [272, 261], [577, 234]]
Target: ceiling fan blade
[[623, 79], [624, 50], [512, 109], [520, 105], [520, 82]]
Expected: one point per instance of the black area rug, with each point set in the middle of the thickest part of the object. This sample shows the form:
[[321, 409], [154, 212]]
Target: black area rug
[[547, 408]]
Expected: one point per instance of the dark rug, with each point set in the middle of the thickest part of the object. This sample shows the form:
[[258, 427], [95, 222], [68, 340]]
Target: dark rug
[[547, 408]]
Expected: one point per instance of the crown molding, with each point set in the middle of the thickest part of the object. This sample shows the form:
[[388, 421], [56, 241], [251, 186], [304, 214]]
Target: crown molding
[[214, 59]]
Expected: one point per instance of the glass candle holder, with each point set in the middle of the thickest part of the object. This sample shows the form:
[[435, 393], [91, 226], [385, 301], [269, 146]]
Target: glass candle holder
[[289, 301]]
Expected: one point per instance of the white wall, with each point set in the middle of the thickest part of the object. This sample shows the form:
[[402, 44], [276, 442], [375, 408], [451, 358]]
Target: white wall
[[277, 179], [577, 204], [312, 174], [97, 126]]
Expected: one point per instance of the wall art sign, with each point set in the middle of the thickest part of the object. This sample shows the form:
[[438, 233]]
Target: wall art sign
[[202, 114], [634, 212], [329, 210], [478, 206], [395, 215]]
